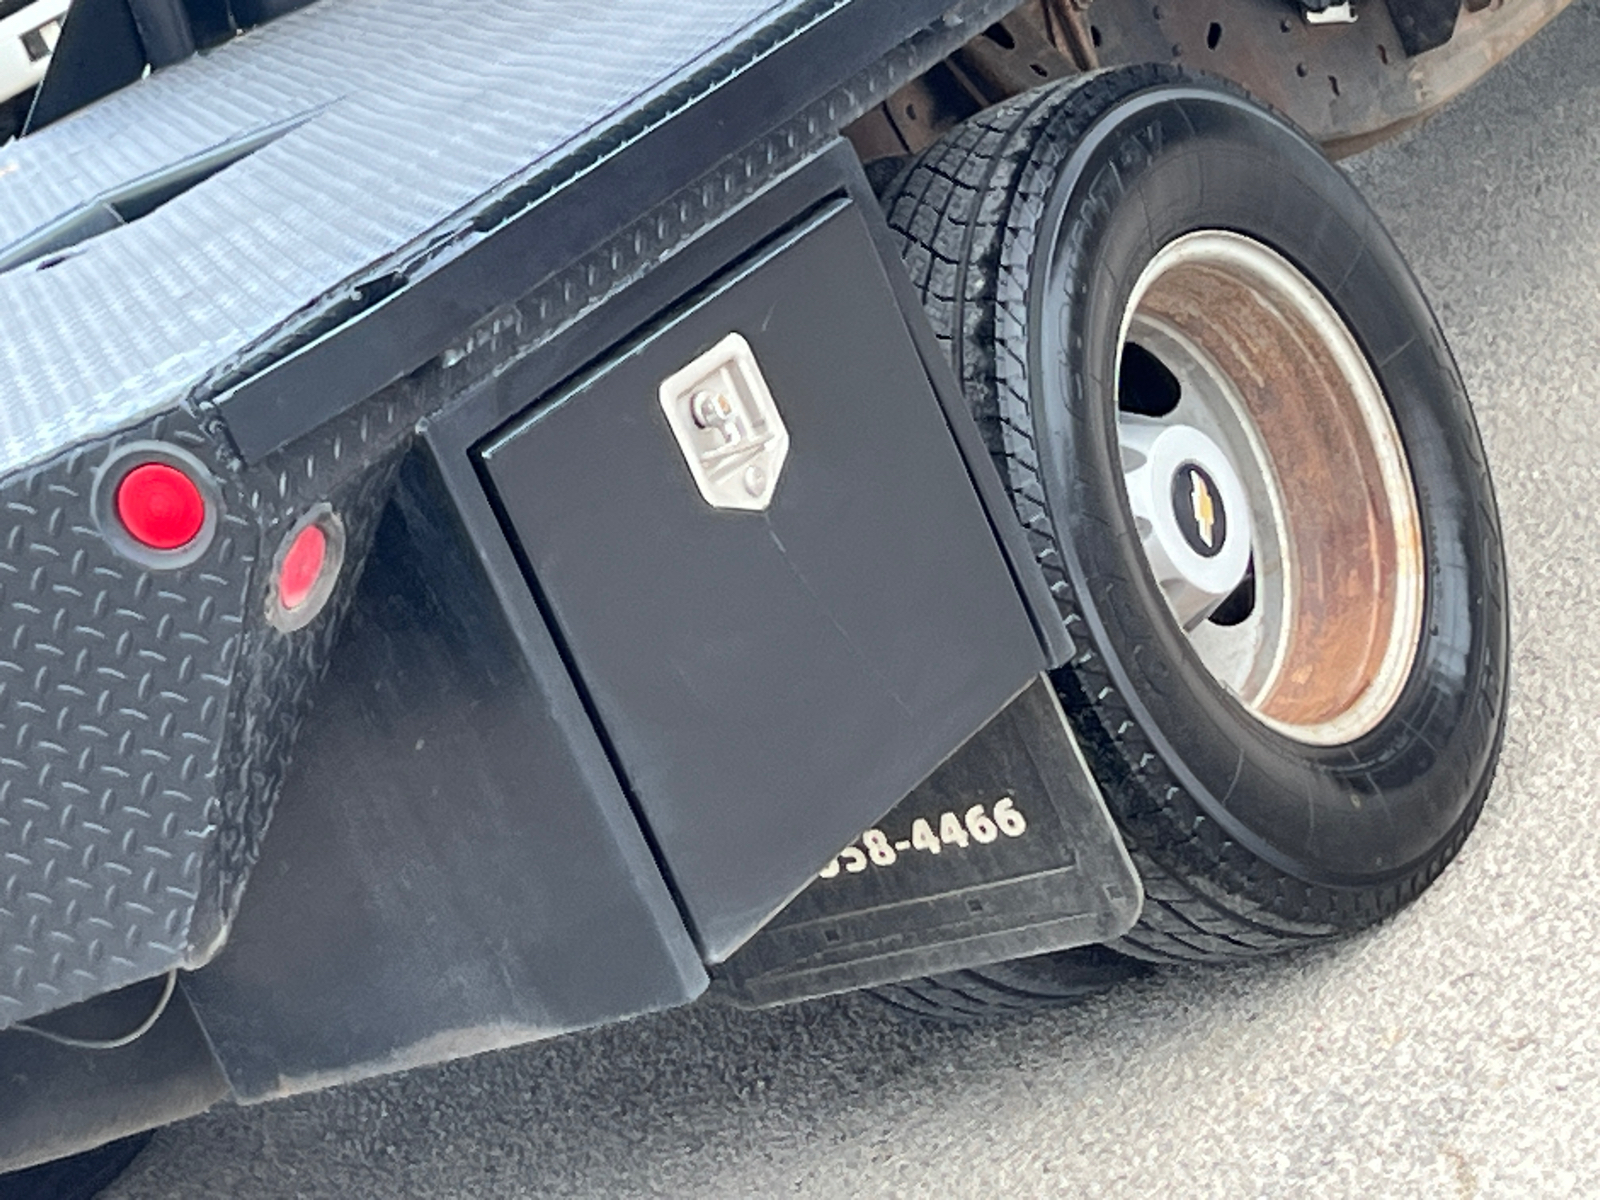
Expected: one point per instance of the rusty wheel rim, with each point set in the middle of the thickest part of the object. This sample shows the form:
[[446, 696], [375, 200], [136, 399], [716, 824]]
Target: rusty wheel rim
[[1248, 411]]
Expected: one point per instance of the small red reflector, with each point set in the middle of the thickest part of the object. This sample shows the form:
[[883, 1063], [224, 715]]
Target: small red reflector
[[302, 566], [160, 506]]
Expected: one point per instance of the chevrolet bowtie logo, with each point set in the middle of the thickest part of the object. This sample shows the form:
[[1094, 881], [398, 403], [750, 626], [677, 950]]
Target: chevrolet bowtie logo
[[1205, 510]]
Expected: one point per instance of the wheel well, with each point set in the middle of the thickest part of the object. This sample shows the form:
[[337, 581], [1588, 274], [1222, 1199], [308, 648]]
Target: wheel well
[[1348, 85]]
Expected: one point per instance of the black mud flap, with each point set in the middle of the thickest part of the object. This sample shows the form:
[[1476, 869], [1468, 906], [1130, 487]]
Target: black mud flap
[[1006, 850]]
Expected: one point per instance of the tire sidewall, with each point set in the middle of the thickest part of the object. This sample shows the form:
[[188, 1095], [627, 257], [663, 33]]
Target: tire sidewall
[[1086, 218]]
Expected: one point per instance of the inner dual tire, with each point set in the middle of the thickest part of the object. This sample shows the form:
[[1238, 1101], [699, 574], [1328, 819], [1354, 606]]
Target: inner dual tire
[[1245, 462]]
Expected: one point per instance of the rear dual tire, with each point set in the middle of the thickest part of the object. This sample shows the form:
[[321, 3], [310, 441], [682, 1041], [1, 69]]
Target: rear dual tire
[[1269, 814]]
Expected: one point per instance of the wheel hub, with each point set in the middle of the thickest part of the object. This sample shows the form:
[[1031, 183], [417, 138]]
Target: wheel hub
[[1269, 487], [1191, 512]]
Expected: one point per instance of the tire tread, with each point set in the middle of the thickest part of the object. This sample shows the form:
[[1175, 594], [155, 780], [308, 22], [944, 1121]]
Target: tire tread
[[1207, 898]]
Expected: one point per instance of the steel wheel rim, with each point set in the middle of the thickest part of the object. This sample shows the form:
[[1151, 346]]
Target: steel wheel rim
[[1280, 427]]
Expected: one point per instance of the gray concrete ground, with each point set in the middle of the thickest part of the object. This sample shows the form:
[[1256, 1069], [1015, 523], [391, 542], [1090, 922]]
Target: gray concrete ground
[[1453, 1053]]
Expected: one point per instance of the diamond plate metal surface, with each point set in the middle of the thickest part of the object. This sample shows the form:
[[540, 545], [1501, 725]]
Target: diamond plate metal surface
[[349, 464], [114, 688], [514, 330], [146, 716], [418, 111]]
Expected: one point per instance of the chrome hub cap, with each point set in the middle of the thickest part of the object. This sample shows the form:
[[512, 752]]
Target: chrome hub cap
[[1191, 513]]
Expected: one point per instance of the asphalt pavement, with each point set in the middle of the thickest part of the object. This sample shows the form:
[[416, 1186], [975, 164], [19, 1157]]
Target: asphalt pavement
[[1455, 1052]]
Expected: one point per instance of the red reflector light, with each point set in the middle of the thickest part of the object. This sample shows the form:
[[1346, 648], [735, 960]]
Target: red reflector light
[[160, 506], [302, 566]]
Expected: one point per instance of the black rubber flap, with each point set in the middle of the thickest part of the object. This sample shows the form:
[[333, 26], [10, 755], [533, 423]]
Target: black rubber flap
[[1006, 850]]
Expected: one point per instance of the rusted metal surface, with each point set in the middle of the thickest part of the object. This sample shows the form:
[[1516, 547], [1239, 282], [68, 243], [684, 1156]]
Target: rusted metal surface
[[1041, 41], [913, 117], [1348, 86], [1353, 553], [1068, 25], [1014, 55]]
